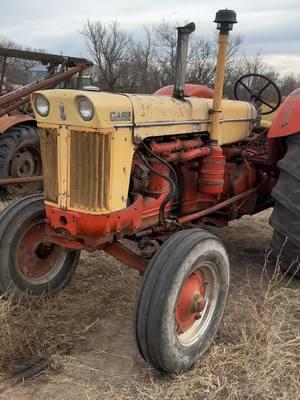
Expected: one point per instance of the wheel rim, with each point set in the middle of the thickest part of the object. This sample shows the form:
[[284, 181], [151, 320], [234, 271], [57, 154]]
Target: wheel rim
[[196, 303], [24, 162], [38, 261]]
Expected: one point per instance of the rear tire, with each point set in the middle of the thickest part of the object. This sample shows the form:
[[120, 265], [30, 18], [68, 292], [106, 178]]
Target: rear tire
[[20, 156], [182, 300], [28, 263], [285, 218]]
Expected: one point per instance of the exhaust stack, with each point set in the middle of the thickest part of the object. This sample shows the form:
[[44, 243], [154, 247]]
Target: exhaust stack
[[225, 20], [181, 58]]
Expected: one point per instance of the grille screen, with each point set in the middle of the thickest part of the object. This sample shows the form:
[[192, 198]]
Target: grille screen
[[48, 139], [89, 170]]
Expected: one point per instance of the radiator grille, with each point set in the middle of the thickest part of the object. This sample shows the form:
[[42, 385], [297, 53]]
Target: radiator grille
[[48, 139], [89, 170]]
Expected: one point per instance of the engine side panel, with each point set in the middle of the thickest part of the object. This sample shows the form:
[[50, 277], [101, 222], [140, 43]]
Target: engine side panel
[[162, 116]]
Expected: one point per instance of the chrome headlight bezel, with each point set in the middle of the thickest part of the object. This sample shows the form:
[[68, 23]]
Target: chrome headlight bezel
[[88, 113], [41, 98]]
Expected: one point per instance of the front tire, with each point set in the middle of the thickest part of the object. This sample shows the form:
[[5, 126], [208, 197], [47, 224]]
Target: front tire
[[285, 218], [28, 262], [182, 300]]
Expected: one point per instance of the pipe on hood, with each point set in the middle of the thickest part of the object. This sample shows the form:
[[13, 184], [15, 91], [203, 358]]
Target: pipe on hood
[[181, 58]]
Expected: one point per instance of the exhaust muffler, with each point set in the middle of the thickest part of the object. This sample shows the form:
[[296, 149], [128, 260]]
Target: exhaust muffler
[[181, 58]]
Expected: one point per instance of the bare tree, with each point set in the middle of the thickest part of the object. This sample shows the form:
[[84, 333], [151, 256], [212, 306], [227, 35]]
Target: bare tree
[[108, 46], [144, 65], [288, 83], [16, 68], [244, 65], [166, 42], [203, 57], [201, 65], [145, 73], [10, 64]]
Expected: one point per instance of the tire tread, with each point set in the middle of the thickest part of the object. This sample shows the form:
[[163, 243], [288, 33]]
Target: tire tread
[[285, 218]]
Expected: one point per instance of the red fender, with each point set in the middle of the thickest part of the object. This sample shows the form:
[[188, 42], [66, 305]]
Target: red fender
[[287, 120], [7, 121], [190, 90]]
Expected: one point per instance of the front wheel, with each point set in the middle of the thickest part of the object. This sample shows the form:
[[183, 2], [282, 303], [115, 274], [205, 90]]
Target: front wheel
[[28, 262], [182, 300]]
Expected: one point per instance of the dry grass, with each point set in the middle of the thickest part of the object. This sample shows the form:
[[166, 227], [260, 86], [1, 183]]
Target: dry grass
[[44, 327], [256, 354]]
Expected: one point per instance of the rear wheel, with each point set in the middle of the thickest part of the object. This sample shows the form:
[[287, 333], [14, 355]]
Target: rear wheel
[[285, 218], [28, 262], [20, 157], [182, 300]]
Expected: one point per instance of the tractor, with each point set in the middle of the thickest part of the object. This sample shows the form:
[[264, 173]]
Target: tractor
[[154, 170]]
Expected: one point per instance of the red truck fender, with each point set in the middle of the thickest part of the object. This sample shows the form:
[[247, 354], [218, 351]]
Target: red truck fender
[[287, 120]]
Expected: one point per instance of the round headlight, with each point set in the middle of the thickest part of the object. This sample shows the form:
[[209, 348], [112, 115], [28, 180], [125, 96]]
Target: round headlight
[[41, 105], [85, 108]]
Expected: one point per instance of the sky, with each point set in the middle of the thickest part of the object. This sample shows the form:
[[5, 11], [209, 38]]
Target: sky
[[268, 27]]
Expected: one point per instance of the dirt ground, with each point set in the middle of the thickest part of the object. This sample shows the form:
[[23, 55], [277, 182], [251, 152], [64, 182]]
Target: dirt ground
[[93, 354]]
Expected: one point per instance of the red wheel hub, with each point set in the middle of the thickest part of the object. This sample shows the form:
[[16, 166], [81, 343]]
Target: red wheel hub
[[36, 257], [190, 302]]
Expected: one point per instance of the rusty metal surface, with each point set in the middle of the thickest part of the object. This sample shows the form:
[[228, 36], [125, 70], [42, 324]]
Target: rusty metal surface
[[44, 58], [44, 83], [7, 121], [181, 58], [15, 107], [13, 100], [15, 181], [189, 154], [212, 171], [175, 145], [90, 162], [127, 256], [218, 206], [35, 258], [48, 140]]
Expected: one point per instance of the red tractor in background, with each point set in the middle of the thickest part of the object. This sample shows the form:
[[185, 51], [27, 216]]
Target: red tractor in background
[[20, 157]]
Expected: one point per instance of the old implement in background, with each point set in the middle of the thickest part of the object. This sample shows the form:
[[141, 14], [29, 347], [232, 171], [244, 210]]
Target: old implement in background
[[151, 169], [20, 158]]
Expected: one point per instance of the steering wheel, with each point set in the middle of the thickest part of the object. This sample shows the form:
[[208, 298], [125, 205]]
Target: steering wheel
[[257, 95]]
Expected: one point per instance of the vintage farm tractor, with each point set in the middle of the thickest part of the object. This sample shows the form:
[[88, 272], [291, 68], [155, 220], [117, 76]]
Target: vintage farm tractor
[[20, 156], [151, 169]]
